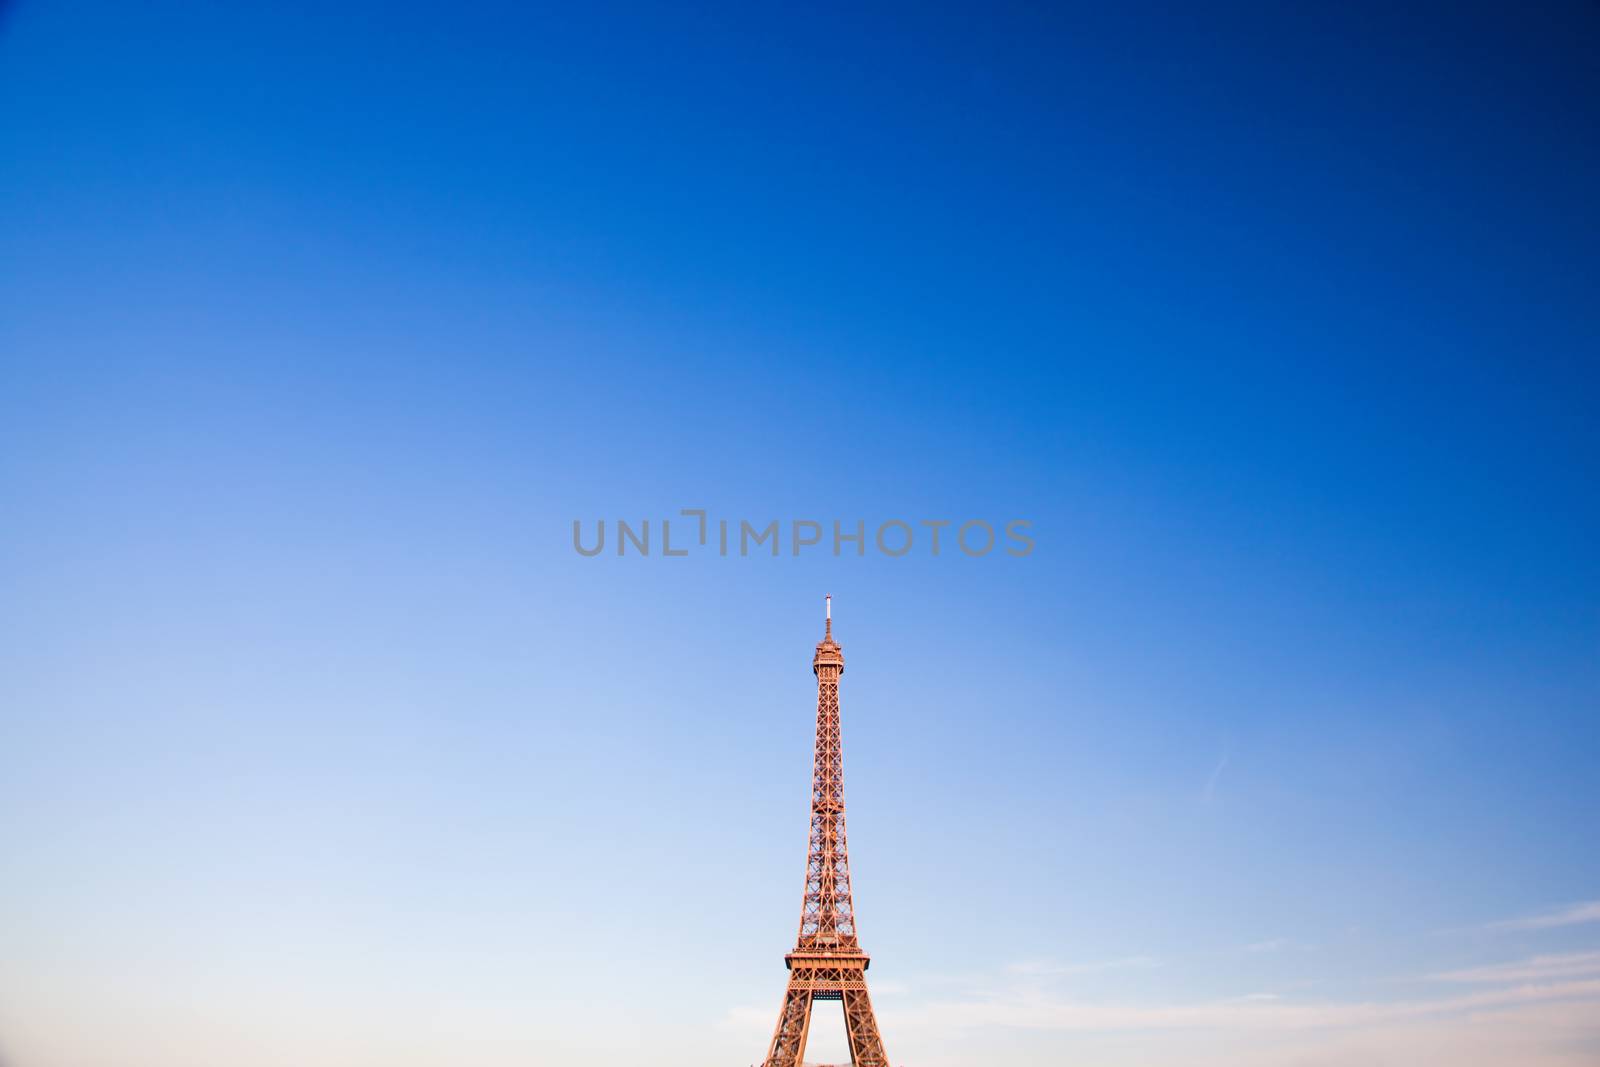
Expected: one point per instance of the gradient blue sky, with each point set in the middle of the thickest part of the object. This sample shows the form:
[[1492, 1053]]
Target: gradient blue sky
[[319, 746]]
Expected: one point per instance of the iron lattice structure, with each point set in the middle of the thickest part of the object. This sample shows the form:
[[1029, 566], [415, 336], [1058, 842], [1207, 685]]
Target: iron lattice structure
[[827, 962]]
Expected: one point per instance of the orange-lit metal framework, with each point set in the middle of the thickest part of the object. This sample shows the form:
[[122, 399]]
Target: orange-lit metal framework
[[827, 962]]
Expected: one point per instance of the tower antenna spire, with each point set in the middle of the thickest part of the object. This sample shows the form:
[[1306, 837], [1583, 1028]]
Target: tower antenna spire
[[827, 609]]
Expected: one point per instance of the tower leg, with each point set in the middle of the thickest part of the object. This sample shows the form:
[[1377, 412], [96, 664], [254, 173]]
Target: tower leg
[[794, 1022], [861, 1026]]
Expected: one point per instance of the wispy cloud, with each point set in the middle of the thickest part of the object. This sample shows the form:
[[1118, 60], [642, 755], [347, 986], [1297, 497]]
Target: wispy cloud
[[1572, 915], [1210, 792], [1031, 1011], [1535, 969]]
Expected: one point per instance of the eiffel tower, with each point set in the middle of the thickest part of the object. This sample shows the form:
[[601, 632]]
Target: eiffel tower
[[827, 962]]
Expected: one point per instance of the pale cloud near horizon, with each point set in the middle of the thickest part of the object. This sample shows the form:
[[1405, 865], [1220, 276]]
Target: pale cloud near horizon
[[1573, 915], [1542, 1011], [1536, 969], [1554, 1024], [1253, 1012]]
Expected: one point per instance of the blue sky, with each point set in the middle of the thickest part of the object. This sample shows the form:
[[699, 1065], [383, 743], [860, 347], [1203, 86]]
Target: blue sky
[[319, 328]]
